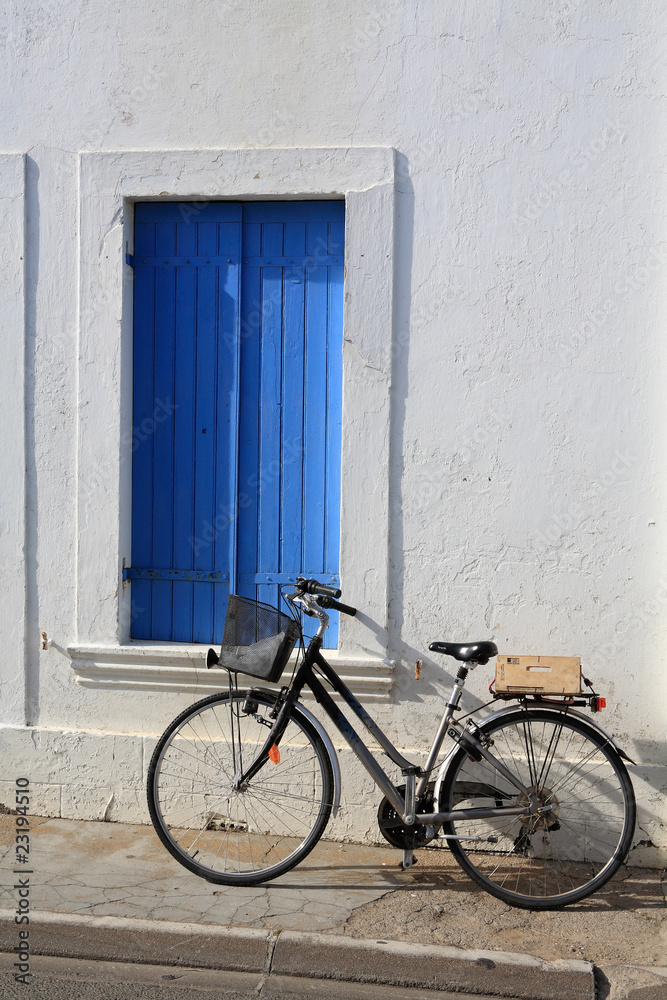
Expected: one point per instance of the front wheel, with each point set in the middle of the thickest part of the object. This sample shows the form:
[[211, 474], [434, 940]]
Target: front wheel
[[239, 835], [544, 860]]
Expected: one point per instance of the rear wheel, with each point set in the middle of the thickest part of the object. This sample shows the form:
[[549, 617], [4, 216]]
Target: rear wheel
[[541, 860], [246, 835]]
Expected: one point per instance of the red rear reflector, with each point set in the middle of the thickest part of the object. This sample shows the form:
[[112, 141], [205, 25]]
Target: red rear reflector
[[599, 703], [274, 754]]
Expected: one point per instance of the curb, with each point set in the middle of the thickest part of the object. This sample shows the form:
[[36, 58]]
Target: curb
[[292, 953], [153, 942], [397, 963]]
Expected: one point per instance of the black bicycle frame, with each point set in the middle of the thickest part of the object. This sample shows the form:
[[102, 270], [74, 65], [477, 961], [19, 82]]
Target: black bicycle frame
[[305, 677]]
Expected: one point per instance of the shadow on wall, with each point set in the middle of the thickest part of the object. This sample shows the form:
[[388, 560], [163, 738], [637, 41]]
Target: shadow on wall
[[650, 840], [32, 241], [437, 677], [403, 254]]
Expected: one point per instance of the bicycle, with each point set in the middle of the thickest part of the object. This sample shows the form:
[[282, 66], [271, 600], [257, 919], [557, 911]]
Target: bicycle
[[534, 800]]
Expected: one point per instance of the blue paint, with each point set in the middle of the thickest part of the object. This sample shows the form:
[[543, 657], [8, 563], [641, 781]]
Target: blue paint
[[238, 350]]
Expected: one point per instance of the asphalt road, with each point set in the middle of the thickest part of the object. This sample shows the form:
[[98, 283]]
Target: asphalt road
[[74, 979]]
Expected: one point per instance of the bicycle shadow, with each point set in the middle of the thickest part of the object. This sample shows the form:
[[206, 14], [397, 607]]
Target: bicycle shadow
[[630, 889]]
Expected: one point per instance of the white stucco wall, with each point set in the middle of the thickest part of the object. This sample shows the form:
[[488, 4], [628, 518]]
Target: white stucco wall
[[518, 408]]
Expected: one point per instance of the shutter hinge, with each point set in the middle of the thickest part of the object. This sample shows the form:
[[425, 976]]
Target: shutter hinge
[[188, 575]]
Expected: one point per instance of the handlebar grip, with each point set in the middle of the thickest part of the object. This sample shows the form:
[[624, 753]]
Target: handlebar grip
[[328, 602], [315, 587]]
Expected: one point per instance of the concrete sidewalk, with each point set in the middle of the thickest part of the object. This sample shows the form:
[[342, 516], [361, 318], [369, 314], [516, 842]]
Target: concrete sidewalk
[[111, 891]]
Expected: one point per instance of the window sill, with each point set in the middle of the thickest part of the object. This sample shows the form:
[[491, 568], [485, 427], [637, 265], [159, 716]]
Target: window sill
[[174, 666]]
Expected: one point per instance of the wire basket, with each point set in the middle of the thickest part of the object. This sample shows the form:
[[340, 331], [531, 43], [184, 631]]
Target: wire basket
[[258, 639]]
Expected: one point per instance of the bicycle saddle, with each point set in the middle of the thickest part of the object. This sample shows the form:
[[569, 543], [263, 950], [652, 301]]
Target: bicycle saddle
[[479, 652]]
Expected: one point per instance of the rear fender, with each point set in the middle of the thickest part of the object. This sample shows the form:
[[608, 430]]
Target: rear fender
[[571, 712]]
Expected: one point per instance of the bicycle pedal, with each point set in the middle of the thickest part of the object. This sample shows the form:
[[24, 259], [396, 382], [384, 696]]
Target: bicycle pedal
[[407, 868]]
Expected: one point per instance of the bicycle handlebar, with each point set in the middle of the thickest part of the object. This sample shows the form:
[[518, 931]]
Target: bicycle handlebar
[[315, 587], [328, 602]]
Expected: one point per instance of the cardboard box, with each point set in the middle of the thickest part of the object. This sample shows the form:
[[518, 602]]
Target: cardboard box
[[538, 674]]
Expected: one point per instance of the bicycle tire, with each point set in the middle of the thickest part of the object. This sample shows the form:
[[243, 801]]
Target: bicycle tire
[[548, 861], [248, 836]]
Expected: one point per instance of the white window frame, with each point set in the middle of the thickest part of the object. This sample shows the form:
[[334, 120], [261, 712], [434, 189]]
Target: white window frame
[[109, 185]]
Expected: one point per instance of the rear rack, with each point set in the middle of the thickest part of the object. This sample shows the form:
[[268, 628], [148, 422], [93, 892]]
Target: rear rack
[[584, 700]]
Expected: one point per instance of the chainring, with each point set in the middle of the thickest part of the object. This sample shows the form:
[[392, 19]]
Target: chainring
[[391, 825]]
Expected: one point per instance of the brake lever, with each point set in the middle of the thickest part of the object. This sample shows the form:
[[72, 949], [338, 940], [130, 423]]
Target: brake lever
[[303, 602]]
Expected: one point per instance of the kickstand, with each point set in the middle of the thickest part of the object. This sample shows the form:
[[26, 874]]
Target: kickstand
[[408, 861], [409, 820]]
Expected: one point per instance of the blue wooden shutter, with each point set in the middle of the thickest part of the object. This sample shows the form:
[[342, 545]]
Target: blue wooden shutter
[[290, 396], [237, 408], [186, 314]]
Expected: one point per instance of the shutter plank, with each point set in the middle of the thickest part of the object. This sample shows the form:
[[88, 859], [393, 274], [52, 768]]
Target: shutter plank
[[293, 375], [142, 448], [317, 240], [206, 431], [336, 240], [205, 439], [163, 447], [186, 539], [144, 237], [229, 236], [272, 239], [334, 412], [315, 417], [270, 416], [252, 240], [248, 422]]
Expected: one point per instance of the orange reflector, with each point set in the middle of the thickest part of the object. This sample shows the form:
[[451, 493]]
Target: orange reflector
[[602, 703], [274, 754]]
